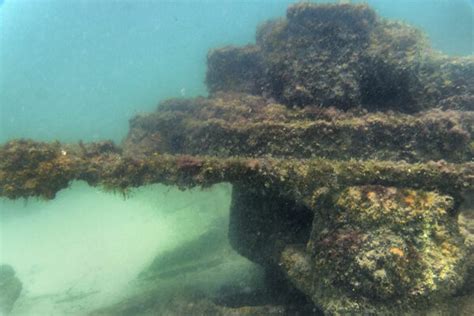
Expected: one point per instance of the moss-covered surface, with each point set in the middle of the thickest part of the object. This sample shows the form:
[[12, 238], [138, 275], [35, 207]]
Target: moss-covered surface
[[235, 67], [390, 246], [344, 56], [374, 229], [239, 124], [356, 208], [29, 169]]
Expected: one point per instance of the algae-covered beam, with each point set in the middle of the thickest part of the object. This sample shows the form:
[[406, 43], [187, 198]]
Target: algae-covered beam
[[307, 178], [29, 169]]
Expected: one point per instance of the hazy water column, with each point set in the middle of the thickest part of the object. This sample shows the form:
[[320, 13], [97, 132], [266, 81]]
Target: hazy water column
[[72, 69], [80, 69]]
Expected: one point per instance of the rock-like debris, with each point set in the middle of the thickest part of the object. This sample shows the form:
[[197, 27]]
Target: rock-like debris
[[344, 56], [349, 145], [10, 288]]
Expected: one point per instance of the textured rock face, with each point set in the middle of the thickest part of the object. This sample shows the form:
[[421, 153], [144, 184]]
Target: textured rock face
[[10, 289], [343, 56], [388, 245], [370, 248], [231, 124], [364, 249], [356, 208]]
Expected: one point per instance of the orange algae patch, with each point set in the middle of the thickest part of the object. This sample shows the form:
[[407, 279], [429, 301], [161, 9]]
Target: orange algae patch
[[397, 251], [371, 195], [410, 200]]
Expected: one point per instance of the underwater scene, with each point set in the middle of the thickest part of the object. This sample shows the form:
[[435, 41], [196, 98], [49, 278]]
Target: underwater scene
[[236, 157]]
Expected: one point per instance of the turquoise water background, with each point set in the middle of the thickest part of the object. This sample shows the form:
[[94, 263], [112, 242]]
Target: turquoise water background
[[79, 69], [76, 69]]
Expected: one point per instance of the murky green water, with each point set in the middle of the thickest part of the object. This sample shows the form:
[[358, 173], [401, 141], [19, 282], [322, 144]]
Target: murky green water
[[72, 70]]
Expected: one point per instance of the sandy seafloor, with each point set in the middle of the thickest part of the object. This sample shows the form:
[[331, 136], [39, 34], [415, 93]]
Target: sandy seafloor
[[85, 249], [79, 70]]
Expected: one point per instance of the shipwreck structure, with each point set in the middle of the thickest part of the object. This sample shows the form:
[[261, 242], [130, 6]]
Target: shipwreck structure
[[349, 145]]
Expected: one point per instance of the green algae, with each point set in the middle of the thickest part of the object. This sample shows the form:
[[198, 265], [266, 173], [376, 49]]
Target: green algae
[[348, 142], [40, 169]]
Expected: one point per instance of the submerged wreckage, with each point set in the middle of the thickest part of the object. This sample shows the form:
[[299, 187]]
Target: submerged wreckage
[[349, 145]]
